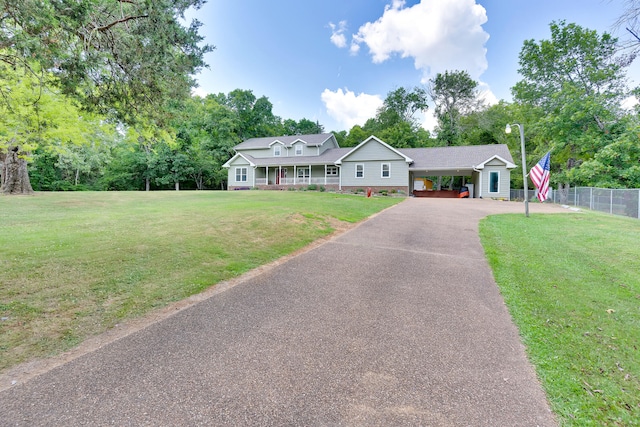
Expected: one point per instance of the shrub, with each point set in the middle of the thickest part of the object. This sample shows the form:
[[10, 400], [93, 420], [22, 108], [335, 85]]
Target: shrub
[[322, 189], [312, 187]]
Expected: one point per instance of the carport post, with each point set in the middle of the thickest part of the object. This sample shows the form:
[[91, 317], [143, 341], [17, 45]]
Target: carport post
[[524, 166]]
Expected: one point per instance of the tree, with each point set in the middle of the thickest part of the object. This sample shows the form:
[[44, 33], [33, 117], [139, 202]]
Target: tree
[[33, 116], [395, 120], [576, 63], [401, 105], [254, 115], [576, 81], [122, 58], [302, 127], [454, 94], [630, 19]]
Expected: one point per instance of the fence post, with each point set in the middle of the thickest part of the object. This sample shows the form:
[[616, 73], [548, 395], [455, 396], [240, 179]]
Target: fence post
[[611, 202]]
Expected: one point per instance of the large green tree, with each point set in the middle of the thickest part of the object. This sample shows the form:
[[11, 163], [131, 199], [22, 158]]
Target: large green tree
[[396, 120], [122, 58], [455, 94], [576, 81]]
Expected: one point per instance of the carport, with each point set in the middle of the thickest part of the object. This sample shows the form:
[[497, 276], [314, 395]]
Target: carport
[[485, 168]]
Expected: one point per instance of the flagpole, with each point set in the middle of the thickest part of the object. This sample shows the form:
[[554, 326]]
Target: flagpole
[[524, 166]]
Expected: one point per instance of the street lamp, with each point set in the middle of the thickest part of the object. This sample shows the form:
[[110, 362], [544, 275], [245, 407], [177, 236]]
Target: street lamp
[[524, 165]]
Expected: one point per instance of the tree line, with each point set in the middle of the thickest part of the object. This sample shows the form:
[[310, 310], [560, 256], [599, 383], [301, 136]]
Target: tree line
[[96, 95]]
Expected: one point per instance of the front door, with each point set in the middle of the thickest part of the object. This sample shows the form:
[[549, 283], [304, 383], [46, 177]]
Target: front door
[[281, 176]]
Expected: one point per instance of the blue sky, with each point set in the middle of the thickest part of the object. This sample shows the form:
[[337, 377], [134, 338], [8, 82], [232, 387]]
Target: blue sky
[[334, 61]]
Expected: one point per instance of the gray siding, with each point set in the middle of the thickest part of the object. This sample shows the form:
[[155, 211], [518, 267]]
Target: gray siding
[[306, 151], [231, 173], [399, 176], [504, 181], [372, 150]]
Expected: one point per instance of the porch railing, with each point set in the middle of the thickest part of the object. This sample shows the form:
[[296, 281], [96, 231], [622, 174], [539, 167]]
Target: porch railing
[[300, 181]]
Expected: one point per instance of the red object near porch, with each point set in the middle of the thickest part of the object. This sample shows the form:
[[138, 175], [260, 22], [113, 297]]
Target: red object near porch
[[369, 192]]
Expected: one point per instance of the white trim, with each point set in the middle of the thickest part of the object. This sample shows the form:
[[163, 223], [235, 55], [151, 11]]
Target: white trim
[[356, 170], [388, 170], [406, 158], [227, 165], [507, 163], [246, 174]]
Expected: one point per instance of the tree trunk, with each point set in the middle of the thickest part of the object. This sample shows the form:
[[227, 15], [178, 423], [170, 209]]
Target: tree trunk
[[147, 184], [15, 176], [177, 186]]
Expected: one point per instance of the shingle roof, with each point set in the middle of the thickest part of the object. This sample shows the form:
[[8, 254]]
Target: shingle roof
[[458, 157], [311, 140], [329, 157]]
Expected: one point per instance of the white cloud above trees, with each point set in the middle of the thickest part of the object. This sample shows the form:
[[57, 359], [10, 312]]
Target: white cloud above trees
[[438, 35], [349, 108]]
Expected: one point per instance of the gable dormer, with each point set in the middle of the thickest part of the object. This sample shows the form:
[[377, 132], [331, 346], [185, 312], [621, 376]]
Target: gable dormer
[[299, 148], [278, 149]]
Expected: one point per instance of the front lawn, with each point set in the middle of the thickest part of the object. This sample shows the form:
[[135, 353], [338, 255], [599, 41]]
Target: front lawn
[[572, 285], [73, 265]]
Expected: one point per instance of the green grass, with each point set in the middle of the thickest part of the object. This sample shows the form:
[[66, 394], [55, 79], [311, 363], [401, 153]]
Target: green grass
[[73, 265], [572, 285]]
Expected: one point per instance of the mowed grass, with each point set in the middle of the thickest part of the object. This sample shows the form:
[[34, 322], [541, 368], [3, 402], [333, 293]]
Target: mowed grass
[[572, 285], [73, 265]]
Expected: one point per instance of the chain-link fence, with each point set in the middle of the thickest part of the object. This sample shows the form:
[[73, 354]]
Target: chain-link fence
[[616, 202]]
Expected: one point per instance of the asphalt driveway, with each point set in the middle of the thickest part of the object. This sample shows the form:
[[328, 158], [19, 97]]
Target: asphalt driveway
[[395, 322]]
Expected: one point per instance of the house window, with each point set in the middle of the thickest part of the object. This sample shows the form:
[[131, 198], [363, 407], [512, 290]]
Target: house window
[[494, 182], [385, 170], [332, 171], [298, 149], [277, 151], [303, 172], [241, 174], [360, 170]]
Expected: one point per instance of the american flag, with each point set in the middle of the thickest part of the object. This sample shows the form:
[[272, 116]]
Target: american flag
[[539, 174]]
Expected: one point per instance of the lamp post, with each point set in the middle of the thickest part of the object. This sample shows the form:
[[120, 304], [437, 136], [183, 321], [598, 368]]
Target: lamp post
[[524, 166]]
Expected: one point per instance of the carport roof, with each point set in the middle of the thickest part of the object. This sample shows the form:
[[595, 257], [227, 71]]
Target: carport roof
[[457, 157]]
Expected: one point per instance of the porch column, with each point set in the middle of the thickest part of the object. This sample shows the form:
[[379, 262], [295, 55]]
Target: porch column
[[295, 174], [325, 174], [266, 169], [309, 175]]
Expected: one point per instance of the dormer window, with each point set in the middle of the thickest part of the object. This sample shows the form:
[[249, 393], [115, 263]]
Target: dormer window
[[277, 150], [298, 149]]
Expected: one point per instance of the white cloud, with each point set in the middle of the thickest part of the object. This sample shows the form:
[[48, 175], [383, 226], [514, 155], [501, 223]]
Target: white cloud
[[350, 109], [486, 94], [439, 35], [430, 121], [337, 34], [629, 103]]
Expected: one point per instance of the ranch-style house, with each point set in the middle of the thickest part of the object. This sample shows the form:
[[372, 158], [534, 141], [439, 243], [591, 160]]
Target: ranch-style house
[[282, 162]]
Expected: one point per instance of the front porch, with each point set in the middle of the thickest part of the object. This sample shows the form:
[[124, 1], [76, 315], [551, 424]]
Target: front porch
[[297, 176]]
